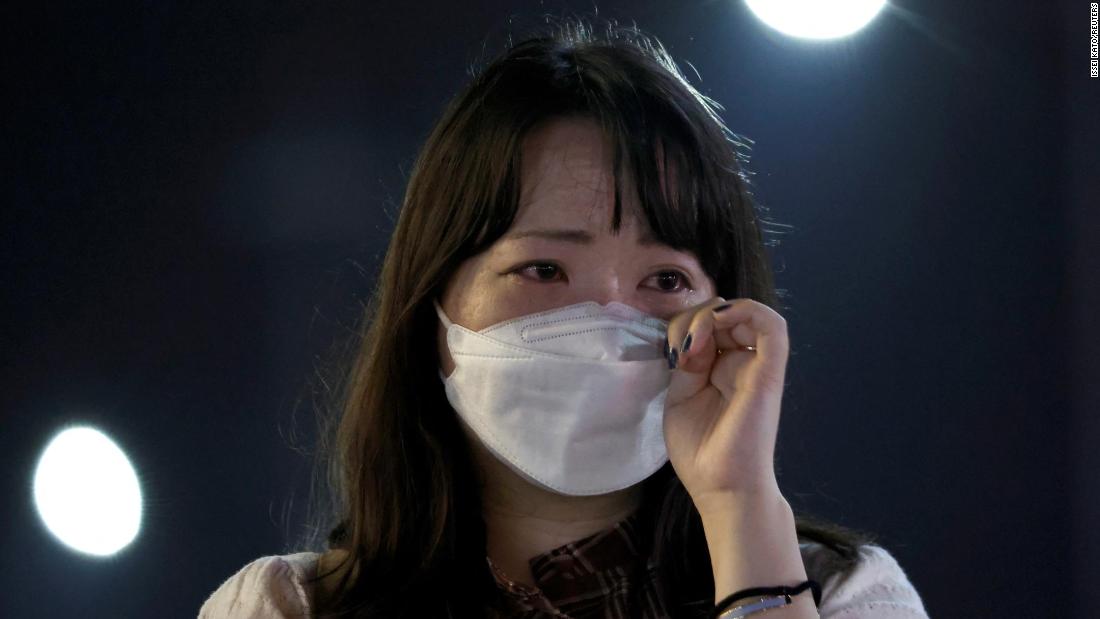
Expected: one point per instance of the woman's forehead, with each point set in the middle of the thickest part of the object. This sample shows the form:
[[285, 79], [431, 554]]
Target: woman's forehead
[[567, 156], [580, 225], [579, 212], [567, 180]]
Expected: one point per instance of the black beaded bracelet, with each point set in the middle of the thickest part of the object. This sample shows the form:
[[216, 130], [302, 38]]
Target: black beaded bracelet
[[728, 601]]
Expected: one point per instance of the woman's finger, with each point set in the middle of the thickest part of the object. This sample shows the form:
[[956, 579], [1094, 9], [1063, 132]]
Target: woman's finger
[[747, 322], [696, 348]]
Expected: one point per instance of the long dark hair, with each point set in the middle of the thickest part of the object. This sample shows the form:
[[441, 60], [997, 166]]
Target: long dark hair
[[406, 516]]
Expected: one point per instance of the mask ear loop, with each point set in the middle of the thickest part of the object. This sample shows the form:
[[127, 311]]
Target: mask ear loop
[[446, 323], [442, 316]]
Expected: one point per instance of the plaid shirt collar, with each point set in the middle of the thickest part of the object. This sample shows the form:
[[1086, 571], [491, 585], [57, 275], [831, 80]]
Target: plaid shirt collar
[[590, 577]]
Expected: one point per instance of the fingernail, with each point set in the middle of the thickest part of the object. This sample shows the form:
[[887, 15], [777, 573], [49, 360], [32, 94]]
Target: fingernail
[[673, 358], [687, 343], [722, 307]]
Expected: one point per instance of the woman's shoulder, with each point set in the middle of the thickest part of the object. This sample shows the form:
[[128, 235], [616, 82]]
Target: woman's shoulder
[[272, 586], [876, 586]]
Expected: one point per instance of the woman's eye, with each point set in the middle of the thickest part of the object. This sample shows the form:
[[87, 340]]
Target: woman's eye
[[668, 280], [540, 269]]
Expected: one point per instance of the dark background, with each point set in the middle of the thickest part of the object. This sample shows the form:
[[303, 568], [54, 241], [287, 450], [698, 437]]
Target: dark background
[[198, 195]]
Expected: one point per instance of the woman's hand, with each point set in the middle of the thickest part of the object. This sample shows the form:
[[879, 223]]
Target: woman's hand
[[722, 410]]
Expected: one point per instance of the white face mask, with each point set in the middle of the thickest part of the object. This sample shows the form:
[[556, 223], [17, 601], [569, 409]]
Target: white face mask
[[572, 399]]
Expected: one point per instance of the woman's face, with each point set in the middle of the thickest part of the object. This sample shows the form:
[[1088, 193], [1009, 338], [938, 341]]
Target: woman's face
[[560, 251]]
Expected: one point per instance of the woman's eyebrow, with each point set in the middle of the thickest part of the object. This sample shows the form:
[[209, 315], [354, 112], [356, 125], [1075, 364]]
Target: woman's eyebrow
[[581, 237]]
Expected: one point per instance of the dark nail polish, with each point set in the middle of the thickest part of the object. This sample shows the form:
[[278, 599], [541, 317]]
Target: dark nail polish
[[673, 359], [687, 343], [722, 307]]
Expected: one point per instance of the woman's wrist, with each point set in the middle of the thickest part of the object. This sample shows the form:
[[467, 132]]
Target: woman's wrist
[[753, 543]]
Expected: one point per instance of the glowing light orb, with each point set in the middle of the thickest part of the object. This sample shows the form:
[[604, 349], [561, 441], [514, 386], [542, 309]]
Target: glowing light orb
[[87, 492], [816, 19]]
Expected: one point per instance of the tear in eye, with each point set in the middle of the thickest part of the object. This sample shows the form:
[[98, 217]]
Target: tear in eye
[[672, 278]]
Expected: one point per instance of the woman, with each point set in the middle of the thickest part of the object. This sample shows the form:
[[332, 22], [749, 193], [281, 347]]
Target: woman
[[568, 391]]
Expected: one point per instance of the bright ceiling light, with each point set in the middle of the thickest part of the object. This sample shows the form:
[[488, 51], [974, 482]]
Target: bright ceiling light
[[816, 19], [87, 492]]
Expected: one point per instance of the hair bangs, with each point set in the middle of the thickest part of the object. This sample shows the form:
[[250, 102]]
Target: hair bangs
[[683, 179]]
